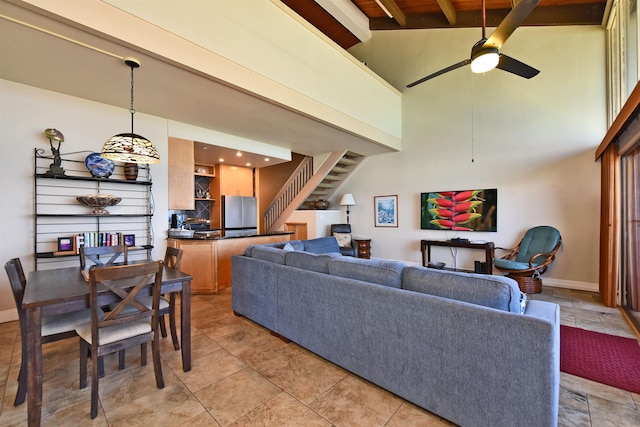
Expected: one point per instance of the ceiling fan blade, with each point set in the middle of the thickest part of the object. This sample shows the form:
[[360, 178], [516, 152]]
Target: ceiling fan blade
[[438, 73], [516, 67], [509, 24]]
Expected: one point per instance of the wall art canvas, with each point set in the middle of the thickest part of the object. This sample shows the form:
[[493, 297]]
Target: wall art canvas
[[386, 211], [464, 210]]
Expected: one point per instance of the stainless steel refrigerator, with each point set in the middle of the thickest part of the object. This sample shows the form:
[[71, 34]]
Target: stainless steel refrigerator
[[239, 215]]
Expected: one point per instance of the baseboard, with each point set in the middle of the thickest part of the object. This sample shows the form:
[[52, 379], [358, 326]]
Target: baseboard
[[570, 284], [548, 281], [8, 315]]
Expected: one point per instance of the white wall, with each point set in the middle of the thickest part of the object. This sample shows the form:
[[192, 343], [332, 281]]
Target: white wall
[[25, 112], [534, 140]]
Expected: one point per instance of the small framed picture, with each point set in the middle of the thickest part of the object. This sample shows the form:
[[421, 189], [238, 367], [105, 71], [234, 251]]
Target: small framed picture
[[129, 239], [386, 211], [66, 246]]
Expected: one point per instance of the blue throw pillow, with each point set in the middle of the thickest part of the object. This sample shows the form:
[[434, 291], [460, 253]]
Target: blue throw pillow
[[321, 245]]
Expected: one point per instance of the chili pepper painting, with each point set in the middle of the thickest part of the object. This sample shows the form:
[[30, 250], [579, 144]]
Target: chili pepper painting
[[466, 210]]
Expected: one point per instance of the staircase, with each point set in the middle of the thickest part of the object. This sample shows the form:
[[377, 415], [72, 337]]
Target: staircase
[[333, 179], [304, 188]]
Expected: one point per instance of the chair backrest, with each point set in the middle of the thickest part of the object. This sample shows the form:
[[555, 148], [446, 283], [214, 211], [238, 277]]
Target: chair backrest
[[543, 239], [126, 282], [17, 279], [93, 254], [340, 228], [173, 258]]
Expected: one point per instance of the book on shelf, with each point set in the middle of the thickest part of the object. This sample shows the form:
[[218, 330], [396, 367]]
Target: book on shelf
[[94, 239]]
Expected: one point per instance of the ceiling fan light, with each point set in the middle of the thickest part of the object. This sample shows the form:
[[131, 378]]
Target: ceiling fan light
[[484, 60]]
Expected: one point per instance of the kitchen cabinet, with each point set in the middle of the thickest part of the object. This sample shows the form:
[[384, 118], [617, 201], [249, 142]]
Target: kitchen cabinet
[[234, 180], [231, 181], [181, 169], [198, 260], [209, 261]]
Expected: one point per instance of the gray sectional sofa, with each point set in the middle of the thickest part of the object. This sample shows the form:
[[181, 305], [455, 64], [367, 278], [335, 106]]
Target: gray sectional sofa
[[466, 347]]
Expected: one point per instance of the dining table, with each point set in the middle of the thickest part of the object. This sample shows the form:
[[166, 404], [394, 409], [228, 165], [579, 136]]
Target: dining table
[[65, 290]]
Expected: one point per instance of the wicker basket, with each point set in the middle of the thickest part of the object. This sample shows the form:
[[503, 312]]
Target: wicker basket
[[527, 284]]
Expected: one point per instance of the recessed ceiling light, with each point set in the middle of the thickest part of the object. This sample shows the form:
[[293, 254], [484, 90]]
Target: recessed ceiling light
[[204, 147], [248, 164], [239, 154], [221, 159], [266, 159]]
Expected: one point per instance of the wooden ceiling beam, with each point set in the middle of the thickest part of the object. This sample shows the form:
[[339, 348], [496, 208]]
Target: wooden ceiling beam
[[392, 7], [573, 14], [448, 10]]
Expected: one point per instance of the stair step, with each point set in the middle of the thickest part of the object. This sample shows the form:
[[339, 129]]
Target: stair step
[[346, 161], [325, 185], [332, 178], [338, 169]]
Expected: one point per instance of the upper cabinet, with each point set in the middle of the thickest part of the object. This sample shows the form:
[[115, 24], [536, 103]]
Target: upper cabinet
[[235, 180], [181, 170]]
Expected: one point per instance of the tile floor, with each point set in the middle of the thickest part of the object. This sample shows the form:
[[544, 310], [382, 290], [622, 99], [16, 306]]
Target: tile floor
[[243, 376]]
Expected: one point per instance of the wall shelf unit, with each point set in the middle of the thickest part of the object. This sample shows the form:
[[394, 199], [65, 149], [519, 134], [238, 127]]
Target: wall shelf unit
[[57, 213], [204, 183]]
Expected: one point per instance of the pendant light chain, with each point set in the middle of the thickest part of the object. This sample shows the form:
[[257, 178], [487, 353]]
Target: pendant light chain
[[131, 110], [130, 147]]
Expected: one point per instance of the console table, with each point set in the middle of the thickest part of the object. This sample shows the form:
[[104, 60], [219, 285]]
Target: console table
[[425, 248]]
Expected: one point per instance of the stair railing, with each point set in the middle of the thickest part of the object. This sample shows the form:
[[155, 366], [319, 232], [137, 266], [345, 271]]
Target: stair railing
[[288, 192]]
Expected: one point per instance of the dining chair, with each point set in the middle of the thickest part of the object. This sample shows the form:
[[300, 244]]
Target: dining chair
[[54, 327], [94, 253], [129, 324], [172, 259]]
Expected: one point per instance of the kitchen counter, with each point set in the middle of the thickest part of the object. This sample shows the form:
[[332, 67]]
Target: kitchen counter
[[208, 260], [219, 235]]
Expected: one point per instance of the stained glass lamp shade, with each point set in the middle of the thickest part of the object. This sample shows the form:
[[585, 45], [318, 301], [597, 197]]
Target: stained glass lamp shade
[[130, 148]]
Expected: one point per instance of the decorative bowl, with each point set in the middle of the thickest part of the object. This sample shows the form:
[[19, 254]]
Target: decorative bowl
[[322, 204], [98, 202]]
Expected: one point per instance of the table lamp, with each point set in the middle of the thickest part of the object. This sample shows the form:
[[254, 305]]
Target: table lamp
[[348, 200]]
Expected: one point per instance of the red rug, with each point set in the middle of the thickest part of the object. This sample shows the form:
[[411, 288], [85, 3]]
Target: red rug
[[599, 357]]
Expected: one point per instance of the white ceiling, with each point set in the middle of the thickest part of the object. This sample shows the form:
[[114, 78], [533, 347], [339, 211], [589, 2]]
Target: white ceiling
[[162, 88]]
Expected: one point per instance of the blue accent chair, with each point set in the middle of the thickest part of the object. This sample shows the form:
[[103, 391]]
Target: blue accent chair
[[530, 258], [352, 248]]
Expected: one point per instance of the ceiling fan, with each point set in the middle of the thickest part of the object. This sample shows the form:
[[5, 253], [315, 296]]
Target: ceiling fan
[[485, 53]]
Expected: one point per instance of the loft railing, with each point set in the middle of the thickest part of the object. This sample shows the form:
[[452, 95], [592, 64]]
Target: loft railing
[[288, 192]]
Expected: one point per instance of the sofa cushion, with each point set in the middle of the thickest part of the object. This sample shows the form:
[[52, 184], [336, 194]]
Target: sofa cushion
[[379, 271], [269, 253], [321, 245], [309, 261], [497, 292], [344, 239], [296, 244]]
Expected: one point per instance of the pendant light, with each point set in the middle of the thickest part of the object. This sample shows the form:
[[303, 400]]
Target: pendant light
[[130, 147]]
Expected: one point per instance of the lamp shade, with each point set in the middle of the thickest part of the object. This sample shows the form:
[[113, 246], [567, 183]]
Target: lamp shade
[[130, 148], [347, 200]]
